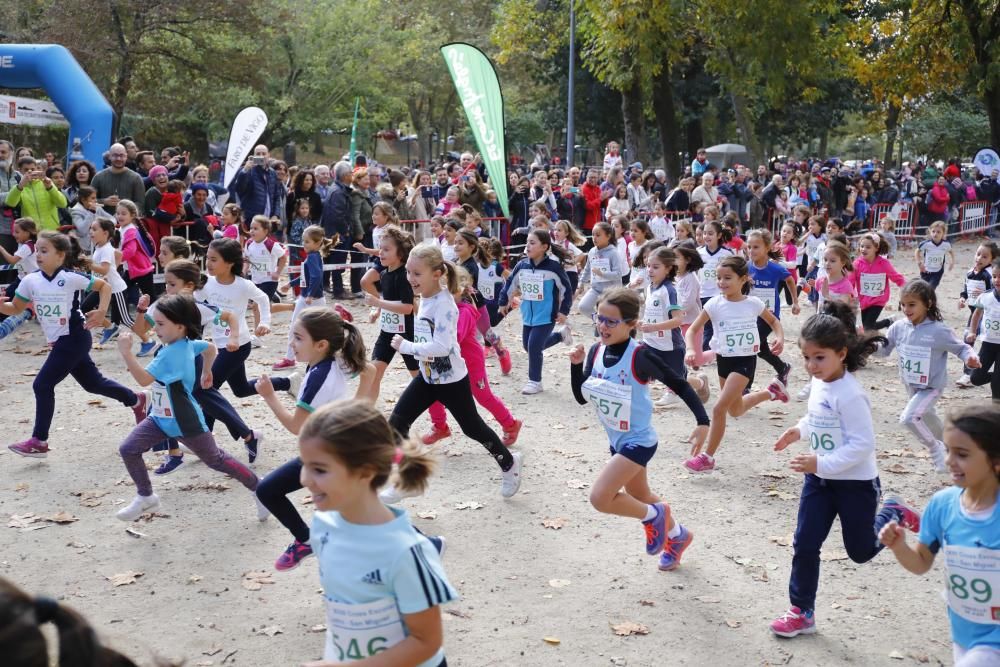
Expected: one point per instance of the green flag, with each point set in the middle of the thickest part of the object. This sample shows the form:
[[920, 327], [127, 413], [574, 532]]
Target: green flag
[[354, 130], [479, 89]]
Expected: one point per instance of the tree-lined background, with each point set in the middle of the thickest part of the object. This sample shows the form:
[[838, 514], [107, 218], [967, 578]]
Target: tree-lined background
[[854, 78]]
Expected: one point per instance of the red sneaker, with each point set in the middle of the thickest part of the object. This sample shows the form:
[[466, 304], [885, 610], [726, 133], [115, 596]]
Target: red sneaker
[[32, 448], [283, 363], [510, 433], [435, 435], [343, 312], [505, 363]]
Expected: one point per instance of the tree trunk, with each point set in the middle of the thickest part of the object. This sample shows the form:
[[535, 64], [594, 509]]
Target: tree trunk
[[891, 132], [745, 123], [632, 120], [666, 123], [992, 101], [824, 139], [694, 136], [318, 146]]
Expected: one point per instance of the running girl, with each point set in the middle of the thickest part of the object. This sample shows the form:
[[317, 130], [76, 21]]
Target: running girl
[[333, 351], [788, 259], [443, 375], [641, 235], [54, 291], [565, 236], [978, 280], [447, 243], [688, 288], [267, 257], [714, 237], [736, 342], [545, 301], [25, 232], [471, 256], [924, 341], [173, 410], [104, 265], [603, 269], [137, 249], [373, 564], [932, 253], [986, 317], [837, 283], [965, 521], [841, 475], [769, 275], [615, 380], [871, 276]]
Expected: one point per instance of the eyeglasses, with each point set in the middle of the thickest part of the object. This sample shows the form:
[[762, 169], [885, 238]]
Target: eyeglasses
[[609, 322]]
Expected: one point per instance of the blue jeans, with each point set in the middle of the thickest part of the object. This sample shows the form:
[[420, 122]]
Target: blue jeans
[[535, 340], [823, 500]]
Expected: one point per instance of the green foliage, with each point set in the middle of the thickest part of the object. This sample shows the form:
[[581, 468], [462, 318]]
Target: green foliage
[[947, 127]]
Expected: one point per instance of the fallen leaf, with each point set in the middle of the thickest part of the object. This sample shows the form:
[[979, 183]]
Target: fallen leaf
[[555, 523], [427, 514], [193, 579], [733, 623], [213, 650], [253, 581], [551, 640], [627, 628], [62, 517], [833, 554], [205, 486], [95, 401], [559, 583], [134, 533], [457, 613], [469, 505], [124, 578], [782, 540], [22, 487], [708, 599], [896, 655], [271, 630], [22, 520], [647, 603], [318, 628], [781, 495], [577, 484], [204, 663]]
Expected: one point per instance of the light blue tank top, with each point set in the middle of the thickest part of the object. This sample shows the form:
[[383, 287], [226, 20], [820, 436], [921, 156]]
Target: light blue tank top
[[622, 402]]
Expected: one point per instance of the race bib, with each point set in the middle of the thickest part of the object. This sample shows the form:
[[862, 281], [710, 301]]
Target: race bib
[[738, 338], [613, 402], [933, 263], [159, 402], [709, 275], [391, 322], [655, 313], [872, 284], [914, 364], [974, 583], [52, 311], [359, 631], [259, 272], [532, 286], [221, 332], [991, 325], [602, 264], [422, 334], [659, 228], [486, 289], [974, 288], [825, 434], [765, 294]]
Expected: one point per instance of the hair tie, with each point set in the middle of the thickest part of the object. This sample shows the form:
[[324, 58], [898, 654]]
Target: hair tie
[[398, 456], [45, 609]]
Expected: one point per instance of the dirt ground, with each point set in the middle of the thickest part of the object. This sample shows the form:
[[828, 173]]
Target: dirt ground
[[543, 577]]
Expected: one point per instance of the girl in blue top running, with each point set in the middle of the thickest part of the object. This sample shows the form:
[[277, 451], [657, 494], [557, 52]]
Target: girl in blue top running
[[964, 521]]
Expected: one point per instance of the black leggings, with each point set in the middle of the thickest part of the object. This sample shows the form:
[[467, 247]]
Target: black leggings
[[764, 330], [273, 493], [419, 395], [870, 320], [989, 354]]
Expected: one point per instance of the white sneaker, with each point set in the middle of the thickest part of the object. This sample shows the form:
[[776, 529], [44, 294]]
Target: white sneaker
[[390, 495], [965, 381], [510, 480], [668, 400], [255, 342], [295, 383], [803, 393], [262, 512], [706, 388], [532, 387], [566, 334], [138, 506], [938, 454]]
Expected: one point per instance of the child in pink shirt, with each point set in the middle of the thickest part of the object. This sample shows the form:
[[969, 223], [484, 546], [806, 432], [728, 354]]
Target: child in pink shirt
[[871, 276], [837, 284]]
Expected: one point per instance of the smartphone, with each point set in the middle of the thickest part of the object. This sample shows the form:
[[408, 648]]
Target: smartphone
[[425, 192], [574, 190], [258, 159]]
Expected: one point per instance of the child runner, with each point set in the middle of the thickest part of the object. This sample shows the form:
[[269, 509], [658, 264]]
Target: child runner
[[964, 520], [714, 237], [887, 230], [688, 288], [837, 284], [54, 290], [788, 259], [603, 269], [736, 342], [316, 246], [769, 275], [932, 253], [443, 376], [660, 227], [871, 276], [924, 341], [565, 236], [978, 280], [812, 257], [394, 306], [471, 256], [267, 257], [684, 234], [662, 319], [184, 277], [383, 582], [641, 235], [545, 301], [25, 232], [447, 243], [841, 475], [137, 250], [615, 380], [173, 410], [623, 238], [475, 361], [333, 351], [227, 290], [987, 318]]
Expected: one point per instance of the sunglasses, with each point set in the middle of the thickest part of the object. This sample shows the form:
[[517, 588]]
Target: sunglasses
[[609, 322]]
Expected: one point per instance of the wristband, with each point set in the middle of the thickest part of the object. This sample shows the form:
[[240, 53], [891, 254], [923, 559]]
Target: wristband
[[141, 311]]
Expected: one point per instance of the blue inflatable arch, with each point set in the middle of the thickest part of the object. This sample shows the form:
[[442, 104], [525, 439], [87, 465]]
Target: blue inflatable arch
[[52, 67]]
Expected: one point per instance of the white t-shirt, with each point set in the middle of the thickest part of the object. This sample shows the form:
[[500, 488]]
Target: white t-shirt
[[662, 229], [435, 340], [105, 254], [263, 262], [707, 274], [235, 298], [734, 325], [56, 305], [574, 252], [27, 263], [934, 255], [689, 296], [839, 430], [991, 316]]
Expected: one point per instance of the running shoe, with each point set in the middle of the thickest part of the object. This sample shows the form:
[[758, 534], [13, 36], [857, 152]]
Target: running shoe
[[139, 409], [674, 548], [905, 516], [294, 384], [255, 342], [511, 432], [138, 506], [32, 448], [262, 512], [965, 381], [108, 334], [793, 623], [706, 388], [253, 444], [532, 387], [510, 480], [503, 356], [147, 348], [435, 434], [656, 529], [783, 375], [293, 555], [777, 391], [701, 463], [171, 464], [566, 334], [343, 312], [938, 457], [668, 400], [803, 394], [282, 364]]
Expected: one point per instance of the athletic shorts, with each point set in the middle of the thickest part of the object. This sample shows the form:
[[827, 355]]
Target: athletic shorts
[[382, 351], [635, 453], [745, 366], [674, 359]]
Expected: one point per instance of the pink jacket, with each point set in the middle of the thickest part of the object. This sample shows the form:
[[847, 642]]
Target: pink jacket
[[139, 263], [468, 342], [880, 265]]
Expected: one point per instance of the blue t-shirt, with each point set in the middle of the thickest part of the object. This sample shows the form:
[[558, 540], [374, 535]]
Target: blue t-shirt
[[171, 406], [972, 563], [384, 571], [767, 284]]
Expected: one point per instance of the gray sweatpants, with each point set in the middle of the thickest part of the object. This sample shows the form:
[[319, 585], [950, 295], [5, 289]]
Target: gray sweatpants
[[920, 418]]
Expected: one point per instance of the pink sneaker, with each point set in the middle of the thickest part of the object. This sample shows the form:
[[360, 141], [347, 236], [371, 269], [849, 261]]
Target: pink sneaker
[[908, 518], [701, 463], [282, 364], [793, 623], [294, 554], [777, 391], [343, 312], [435, 435], [139, 409], [505, 363], [510, 433], [32, 448], [490, 351]]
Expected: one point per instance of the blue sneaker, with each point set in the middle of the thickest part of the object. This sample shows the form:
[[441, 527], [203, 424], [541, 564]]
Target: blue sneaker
[[671, 556], [656, 530], [147, 348], [256, 439], [108, 334], [171, 464]]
